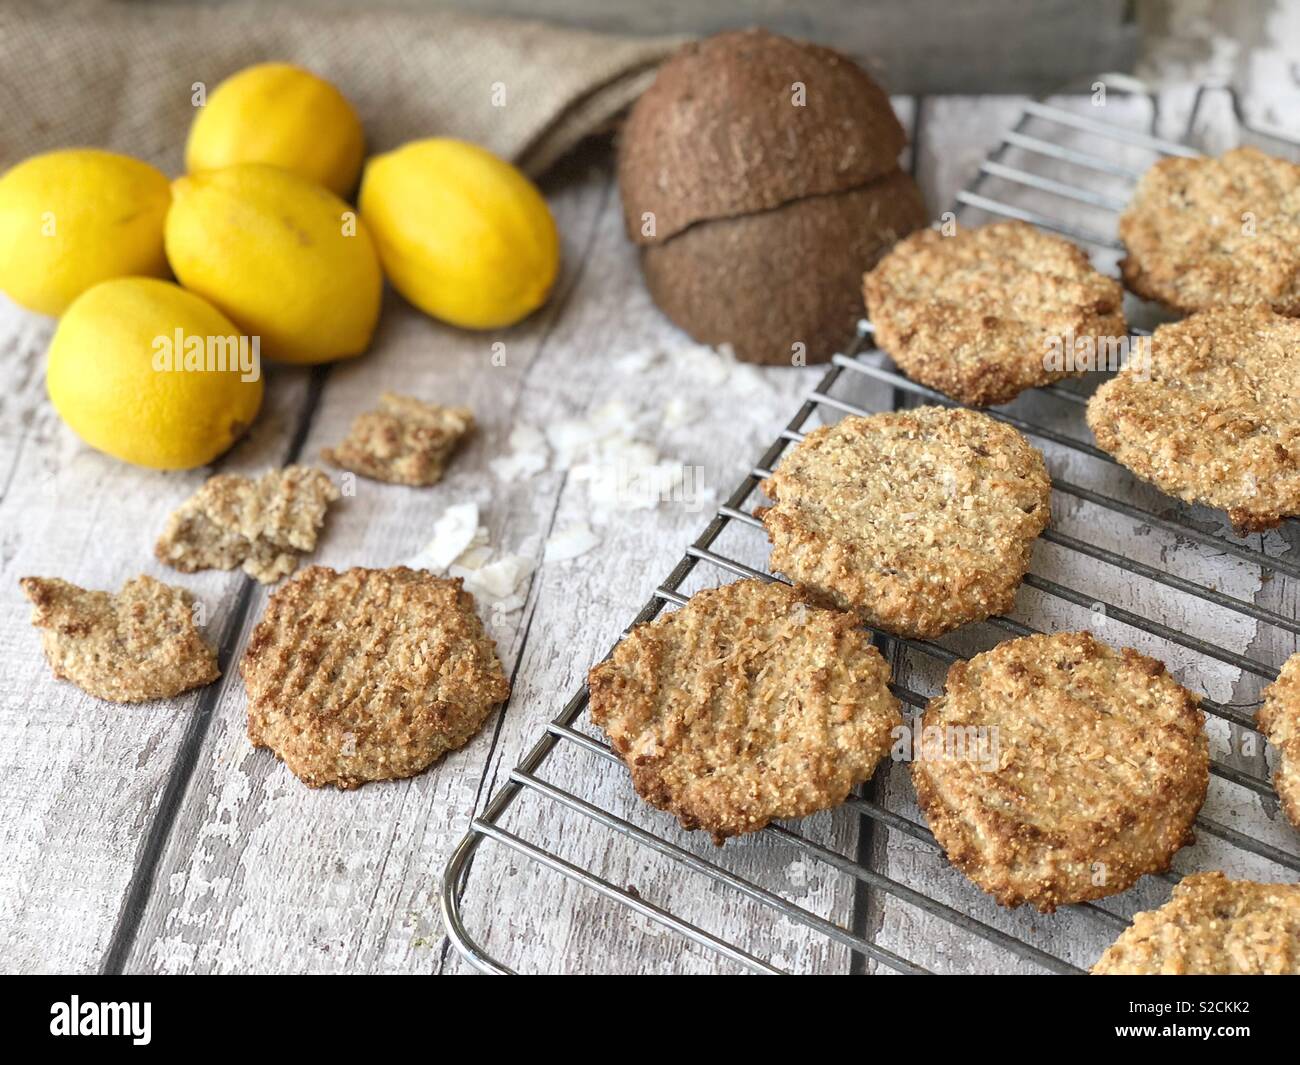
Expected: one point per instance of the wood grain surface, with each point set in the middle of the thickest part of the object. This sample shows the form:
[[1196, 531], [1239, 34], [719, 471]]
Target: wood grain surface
[[153, 838]]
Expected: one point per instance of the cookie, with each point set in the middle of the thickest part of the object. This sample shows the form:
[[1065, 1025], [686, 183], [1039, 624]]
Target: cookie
[[918, 520], [369, 674], [1212, 926], [1279, 721], [986, 313], [1213, 416], [1219, 232], [747, 705], [1094, 767], [404, 441], [139, 644], [263, 525]]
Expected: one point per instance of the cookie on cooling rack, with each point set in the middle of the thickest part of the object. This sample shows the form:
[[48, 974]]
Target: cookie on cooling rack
[[1212, 926], [138, 644], [747, 705], [1213, 414], [1093, 767], [1279, 721], [986, 313], [370, 674], [918, 520], [1207, 232]]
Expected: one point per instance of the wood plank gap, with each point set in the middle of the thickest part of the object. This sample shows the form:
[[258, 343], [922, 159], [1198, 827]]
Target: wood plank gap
[[155, 839]]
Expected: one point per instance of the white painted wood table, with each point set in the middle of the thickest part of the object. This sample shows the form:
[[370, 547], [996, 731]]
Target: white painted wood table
[[153, 838]]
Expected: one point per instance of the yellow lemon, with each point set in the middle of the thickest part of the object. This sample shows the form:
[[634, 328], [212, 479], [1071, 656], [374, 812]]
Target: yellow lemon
[[282, 115], [70, 219], [152, 374], [285, 259], [462, 234]]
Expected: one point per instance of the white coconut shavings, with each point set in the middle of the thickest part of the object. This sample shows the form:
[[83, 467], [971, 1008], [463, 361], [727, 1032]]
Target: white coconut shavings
[[460, 548], [453, 534], [528, 455], [570, 542]]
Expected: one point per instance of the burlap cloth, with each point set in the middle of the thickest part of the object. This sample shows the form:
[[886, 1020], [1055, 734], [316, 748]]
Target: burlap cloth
[[98, 73]]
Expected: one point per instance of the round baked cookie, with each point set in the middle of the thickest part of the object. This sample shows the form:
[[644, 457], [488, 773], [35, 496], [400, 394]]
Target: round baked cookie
[[747, 705], [1213, 415], [1208, 232], [1212, 926], [369, 674], [986, 313], [918, 520], [1093, 766], [1279, 721]]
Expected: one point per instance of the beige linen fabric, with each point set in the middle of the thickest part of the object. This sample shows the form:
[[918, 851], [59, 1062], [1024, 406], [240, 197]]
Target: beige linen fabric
[[97, 73]]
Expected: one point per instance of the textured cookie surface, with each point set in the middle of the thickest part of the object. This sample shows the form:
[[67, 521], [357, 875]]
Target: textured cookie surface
[[404, 441], [1279, 721], [1216, 232], [264, 525], [724, 131], [919, 520], [747, 705], [1212, 926], [986, 313], [139, 644], [783, 281], [1216, 418], [1101, 766], [369, 674]]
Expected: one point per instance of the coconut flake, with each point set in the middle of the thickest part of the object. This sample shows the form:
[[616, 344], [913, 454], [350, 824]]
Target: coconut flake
[[453, 534], [570, 542]]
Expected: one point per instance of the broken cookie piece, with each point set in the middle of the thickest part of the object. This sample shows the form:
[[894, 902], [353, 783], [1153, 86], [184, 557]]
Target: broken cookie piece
[[264, 525], [139, 644], [405, 441]]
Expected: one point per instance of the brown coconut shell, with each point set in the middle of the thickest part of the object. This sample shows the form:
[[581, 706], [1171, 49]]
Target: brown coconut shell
[[718, 135], [791, 275]]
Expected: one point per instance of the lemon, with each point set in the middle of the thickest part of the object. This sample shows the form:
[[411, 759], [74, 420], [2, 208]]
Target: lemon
[[134, 369], [69, 219], [281, 115], [284, 258], [462, 234]]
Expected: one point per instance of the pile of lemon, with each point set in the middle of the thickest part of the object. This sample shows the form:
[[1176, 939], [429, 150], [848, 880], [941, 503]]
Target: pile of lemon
[[261, 243]]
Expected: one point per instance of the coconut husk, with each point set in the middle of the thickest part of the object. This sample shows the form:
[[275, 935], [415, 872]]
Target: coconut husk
[[719, 132], [791, 275]]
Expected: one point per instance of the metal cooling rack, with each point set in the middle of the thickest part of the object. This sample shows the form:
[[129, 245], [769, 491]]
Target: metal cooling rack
[[1043, 133]]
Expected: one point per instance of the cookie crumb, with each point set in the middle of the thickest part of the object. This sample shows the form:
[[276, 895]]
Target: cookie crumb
[[404, 441], [139, 644], [264, 525]]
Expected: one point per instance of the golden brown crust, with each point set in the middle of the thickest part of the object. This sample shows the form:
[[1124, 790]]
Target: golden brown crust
[[139, 644], [720, 133], [918, 520], [973, 314], [264, 525], [747, 705], [369, 674], [767, 282], [1215, 418], [1102, 764], [404, 441], [1279, 720], [1212, 926], [1219, 232]]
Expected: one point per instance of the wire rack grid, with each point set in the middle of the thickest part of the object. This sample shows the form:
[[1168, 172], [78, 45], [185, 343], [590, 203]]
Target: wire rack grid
[[1090, 178]]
